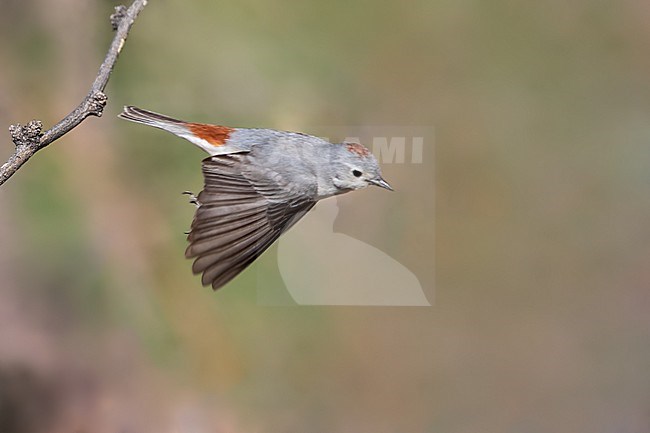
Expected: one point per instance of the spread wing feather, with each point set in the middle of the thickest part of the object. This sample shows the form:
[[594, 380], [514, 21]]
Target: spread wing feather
[[241, 214]]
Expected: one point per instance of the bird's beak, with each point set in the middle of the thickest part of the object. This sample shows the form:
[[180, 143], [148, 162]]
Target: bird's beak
[[381, 183]]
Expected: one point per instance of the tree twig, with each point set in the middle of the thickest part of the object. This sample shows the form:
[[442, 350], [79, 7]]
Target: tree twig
[[30, 138]]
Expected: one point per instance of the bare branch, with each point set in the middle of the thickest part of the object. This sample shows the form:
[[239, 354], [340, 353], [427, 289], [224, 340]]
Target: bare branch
[[30, 138]]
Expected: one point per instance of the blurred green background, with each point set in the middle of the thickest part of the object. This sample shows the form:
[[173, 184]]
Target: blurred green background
[[541, 312]]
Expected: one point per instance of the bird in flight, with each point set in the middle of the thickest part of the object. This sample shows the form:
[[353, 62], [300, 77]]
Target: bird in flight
[[258, 183]]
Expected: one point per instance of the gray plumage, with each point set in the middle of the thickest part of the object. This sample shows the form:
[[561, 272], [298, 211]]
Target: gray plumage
[[258, 183]]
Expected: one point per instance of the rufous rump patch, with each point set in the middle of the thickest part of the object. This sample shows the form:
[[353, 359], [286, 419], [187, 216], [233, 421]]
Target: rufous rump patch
[[214, 134], [357, 148]]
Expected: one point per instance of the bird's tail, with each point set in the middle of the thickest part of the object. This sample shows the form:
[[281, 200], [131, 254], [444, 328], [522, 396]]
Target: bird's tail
[[138, 115], [208, 137]]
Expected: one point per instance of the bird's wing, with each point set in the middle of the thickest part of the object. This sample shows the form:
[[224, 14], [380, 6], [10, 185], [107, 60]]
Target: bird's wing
[[241, 213]]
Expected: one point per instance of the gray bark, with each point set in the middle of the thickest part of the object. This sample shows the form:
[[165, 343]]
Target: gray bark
[[30, 138]]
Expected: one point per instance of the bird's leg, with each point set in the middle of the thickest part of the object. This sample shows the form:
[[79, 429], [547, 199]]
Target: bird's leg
[[193, 199]]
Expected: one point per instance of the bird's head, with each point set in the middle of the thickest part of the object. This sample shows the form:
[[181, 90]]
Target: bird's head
[[356, 168]]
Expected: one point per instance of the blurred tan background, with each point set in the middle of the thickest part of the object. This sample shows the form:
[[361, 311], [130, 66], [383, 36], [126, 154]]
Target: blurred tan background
[[540, 319]]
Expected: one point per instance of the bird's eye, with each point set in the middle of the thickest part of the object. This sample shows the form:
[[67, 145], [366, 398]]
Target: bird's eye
[[356, 173]]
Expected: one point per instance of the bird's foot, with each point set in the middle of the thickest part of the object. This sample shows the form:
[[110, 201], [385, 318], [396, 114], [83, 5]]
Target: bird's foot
[[193, 199]]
